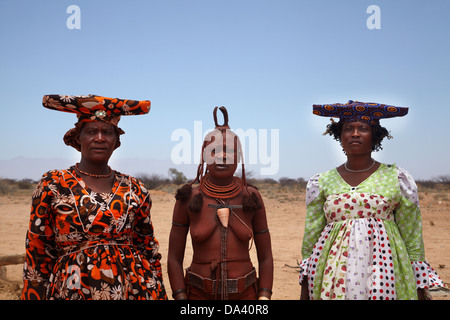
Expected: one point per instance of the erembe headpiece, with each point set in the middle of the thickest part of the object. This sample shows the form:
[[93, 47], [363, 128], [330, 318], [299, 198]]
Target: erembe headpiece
[[351, 111], [250, 200], [90, 108], [219, 131]]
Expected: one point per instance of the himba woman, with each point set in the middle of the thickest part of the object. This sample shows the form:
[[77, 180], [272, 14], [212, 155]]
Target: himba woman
[[90, 234], [363, 231], [225, 216]]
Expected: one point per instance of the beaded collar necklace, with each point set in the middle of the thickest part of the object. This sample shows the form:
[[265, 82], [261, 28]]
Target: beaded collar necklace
[[222, 192]]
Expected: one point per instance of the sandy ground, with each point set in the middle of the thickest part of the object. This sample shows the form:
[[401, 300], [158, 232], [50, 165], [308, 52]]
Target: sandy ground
[[286, 215]]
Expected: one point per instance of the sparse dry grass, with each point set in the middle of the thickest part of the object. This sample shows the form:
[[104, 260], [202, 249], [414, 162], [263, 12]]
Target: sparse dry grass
[[285, 206]]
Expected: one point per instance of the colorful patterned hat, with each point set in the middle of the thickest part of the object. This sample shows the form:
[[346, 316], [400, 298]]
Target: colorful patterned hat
[[368, 112], [96, 108]]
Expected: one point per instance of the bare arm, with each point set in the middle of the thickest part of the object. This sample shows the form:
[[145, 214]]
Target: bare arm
[[264, 251], [177, 246]]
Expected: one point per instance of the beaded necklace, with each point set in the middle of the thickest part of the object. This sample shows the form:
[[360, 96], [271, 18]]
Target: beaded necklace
[[94, 175], [222, 192]]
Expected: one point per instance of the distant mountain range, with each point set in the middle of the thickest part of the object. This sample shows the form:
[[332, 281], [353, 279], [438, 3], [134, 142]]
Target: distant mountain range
[[33, 168]]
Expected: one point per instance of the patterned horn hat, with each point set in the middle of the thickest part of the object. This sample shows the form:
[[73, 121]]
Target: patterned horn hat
[[368, 112], [90, 108], [96, 108]]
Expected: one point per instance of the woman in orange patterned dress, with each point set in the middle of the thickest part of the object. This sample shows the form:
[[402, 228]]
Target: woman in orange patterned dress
[[91, 234]]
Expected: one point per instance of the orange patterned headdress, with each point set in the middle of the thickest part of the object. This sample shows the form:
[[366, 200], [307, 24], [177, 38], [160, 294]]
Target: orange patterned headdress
[[94, 108]]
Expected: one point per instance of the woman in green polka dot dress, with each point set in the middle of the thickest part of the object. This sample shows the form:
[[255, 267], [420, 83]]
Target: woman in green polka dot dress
[[363, 230]]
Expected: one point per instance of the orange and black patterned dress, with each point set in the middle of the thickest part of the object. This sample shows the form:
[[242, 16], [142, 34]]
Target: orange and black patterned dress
[[87, 245]]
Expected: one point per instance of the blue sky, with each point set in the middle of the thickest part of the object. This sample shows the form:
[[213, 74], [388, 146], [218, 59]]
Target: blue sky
[[267, 61]]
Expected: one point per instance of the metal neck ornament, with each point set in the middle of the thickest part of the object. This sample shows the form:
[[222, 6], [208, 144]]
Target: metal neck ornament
[[363, 170], [222, 192], [94, 175]]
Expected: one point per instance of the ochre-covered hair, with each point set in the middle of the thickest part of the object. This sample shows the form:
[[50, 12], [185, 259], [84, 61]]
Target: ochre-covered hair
[[250, 200]]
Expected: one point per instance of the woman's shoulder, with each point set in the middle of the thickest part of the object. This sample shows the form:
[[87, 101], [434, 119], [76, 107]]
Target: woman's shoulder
[[186, 192], [131, 181], [134, 181], [126, 177], [313, 187], [54, 174], [407, 184], [252, 189], [53, 179], [314, 179], [401, 173]]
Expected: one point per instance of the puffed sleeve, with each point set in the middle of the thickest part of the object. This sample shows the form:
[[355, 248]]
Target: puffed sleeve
[[315, 221], [409, 221], [40, 253]]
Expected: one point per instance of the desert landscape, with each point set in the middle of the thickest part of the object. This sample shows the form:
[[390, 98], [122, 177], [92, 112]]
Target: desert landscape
[[285, 206]]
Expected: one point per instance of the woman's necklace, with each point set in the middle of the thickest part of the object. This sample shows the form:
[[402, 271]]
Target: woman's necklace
[[350, 170], [94, 175], [222, 192]]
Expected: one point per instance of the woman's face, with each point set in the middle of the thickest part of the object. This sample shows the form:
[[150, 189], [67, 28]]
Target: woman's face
[[221, 154], [356, 138], [97, 140]]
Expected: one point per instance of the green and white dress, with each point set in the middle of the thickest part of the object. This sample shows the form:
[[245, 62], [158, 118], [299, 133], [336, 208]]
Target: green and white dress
[[364, 242]]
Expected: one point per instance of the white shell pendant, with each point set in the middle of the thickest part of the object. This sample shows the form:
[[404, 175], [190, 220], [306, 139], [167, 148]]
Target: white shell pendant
[[223, 214]]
